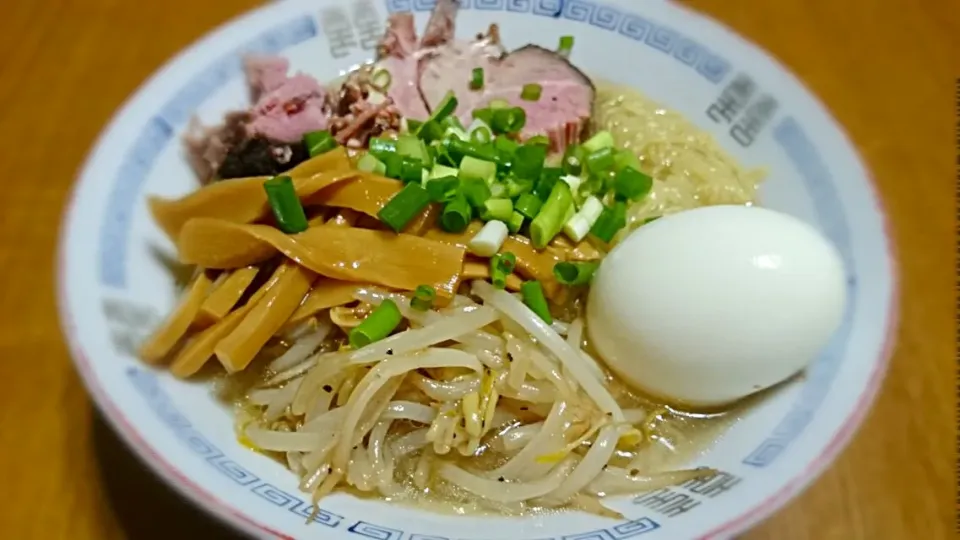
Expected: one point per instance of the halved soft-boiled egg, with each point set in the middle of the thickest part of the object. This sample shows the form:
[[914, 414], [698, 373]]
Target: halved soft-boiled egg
[[707, 306]]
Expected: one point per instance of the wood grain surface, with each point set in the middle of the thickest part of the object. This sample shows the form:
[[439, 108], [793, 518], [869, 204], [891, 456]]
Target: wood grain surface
[[886, 68]]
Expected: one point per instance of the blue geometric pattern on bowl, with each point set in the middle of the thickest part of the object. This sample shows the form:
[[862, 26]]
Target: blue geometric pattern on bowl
[[160, 130]]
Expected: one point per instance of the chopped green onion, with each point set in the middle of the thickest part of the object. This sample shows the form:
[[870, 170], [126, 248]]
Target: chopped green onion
[[505, 147], [445, 108], [423, 298], [529, 205], [498, 103], [531, 92], [404, 206], [602, 139], [611, 220], [501, 266], [498, 209], [573, 158], [472, 168], [380, 148], [516, 187], [626, 158], [476, 191], [528, 161], [548, 178], [485, 115], [632, 184], [481, 135], [476, 79], [456, 215], [498, 190], [600, 160], [411, 170], [552, 215], [516, 222], [285, 204], [379, 324], [532, 293], [452, 122], [442, 189], [410, 146], [541, 140], [430, 131], [487, 242], [319, 142], [381, 78], [457, 149], [371, 164], [510, 120], [580, 224], [575, 272], [413, 125], [442, 171], [566, 45]]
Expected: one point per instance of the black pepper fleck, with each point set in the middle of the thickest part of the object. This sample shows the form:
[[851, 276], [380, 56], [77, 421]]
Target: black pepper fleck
[[389, 352], [327, 388], [501, 479], [524, 408], [634, 472]]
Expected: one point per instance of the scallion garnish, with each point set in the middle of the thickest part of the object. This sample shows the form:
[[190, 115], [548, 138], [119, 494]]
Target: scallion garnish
[[413, 125], [319, 142], [481, 135], [487, 242], [379, 324], [423, 298], [456, 149], [456, 215], [531, 92], [626, 158], [575, 272], [533, 297], [611, 220], [445, 108], [516, 222], [508, 120], [548, 177], [498, 209], [566, 45], [485, 115], [632, 184], [380, 147], [285, 204], [528, 161], [573, 158], [600, 140], [381, 78], [552, 216], [371, 164], [501, 266], [476, 191], [472, 168], [443, 189], [476, 79], [600, 160], [517, 186], [541, 140], [498, 103], [404, 206], [529, 205]]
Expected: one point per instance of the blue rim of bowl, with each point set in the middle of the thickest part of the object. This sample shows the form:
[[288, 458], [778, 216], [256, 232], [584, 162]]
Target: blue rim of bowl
[[241, 521]]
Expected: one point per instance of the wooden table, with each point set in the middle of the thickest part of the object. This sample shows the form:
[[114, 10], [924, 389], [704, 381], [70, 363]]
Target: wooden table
[[886, 70]]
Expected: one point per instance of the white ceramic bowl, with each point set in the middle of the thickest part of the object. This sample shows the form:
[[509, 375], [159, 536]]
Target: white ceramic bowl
[[113, 287]]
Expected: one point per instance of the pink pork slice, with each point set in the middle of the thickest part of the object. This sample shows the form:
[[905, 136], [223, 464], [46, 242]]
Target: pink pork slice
[[286, 107], [399, 56], [561, 113]]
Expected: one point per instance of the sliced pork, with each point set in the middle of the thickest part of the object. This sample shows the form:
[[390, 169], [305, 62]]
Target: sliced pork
[[398, 54], [286, 106]]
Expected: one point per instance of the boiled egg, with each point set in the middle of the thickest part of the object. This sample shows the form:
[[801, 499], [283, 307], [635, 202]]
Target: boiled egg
[[707, 306]]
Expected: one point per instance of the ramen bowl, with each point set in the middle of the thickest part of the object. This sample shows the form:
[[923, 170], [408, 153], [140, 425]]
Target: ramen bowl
[[115, 281]]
